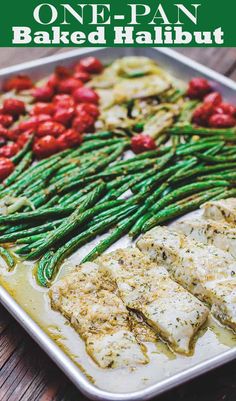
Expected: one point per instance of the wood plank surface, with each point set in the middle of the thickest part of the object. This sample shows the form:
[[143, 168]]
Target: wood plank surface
[[26, 373]]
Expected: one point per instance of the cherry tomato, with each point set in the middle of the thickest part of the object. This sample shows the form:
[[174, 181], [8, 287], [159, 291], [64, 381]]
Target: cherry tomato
[[222, 121], [7, 134], [202, 114], [228, 108], [51, 128], [63, 72], [53, 81], [64, 115], [141, 143], [14, 107], [225, 108], [63, 101], [89, 108], [43, 94], [85, 95], [18, 83], [198, 88], [91, 65], [6, 167], [24, 137], [82, 76], [69, 85], [83, 123], [46, 146], [6, 120], [43, 118], [69, 139], [16, 132], [3, 131], [213, 98], [9, 150], [33, 122], [43, 108], [3, 141]]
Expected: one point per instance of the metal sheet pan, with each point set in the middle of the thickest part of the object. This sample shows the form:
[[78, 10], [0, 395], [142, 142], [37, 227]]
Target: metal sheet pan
[[181, 67]]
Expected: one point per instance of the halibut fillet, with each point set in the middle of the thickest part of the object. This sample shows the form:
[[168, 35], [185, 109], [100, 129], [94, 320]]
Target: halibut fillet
[[87, 299], [206, 271], [209, 232], [221, 210], [174, 313]]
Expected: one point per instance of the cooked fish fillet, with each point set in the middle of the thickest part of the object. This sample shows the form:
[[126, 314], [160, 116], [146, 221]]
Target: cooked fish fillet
[[223, 296], [209, 232], [145, 287], [103, 322], [142, 331], [100, 317], [204, 270], [224, 210], [116, 350], [84, 280]]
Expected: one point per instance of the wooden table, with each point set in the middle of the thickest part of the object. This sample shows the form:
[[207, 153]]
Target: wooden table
[[26, 373]]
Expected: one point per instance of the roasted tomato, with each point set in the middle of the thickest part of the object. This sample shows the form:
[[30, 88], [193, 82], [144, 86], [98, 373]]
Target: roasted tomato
[[53, 82], [63, 101], [69, 85], [51, 128], [85, 95], [7, 134], [198, 88], [83, 123], [226, 108], [24, 137], [14, 107], [3, 141], [46, 146], [43, 108], [6, 120], [69, 139], [213, 98], [9, 150], [33, 122], [202, 114], [18, 83], [6, 167], [82, 75], [43, 94], [142, 143], [91, 65], [89, 108], [63, 72], [222, 121], [64, 115]]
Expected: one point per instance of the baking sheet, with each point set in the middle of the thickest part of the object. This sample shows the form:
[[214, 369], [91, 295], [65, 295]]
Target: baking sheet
[[214, 345]]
